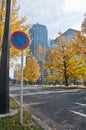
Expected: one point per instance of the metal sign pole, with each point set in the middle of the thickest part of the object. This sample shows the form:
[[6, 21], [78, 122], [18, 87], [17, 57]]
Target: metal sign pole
[[20, 41], [4, 64], [21, 94]]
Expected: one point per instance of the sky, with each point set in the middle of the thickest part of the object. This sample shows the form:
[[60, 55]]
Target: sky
[[57, 15]]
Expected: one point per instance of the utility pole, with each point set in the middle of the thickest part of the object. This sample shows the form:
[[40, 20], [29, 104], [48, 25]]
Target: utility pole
[[4, 69]]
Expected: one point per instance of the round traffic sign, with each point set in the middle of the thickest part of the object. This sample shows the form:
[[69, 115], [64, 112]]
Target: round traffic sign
[[19, 40]]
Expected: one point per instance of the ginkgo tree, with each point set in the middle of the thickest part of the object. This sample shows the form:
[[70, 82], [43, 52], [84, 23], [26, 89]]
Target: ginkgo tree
[[16, 24], [31, 70], [80, 46], [41, 57], [18, 73], [2, 18], [62, 64], [80, 42]]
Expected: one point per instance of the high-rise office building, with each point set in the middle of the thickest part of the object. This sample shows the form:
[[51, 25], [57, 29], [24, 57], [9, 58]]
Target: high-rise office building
[[39, 35]]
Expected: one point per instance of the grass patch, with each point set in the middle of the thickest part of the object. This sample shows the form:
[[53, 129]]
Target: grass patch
[[13, 122]]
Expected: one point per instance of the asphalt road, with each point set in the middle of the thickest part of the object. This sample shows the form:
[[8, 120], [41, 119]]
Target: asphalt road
[[64, 107]]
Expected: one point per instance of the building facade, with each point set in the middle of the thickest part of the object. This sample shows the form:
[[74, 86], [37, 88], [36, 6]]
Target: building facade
[[39, 36], [70, 34]]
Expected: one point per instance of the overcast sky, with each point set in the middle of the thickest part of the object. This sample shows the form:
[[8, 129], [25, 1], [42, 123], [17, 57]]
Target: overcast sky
[[57, 15]]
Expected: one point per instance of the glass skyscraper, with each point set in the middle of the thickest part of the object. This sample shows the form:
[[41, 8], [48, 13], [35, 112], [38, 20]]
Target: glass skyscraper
[[39, 36]]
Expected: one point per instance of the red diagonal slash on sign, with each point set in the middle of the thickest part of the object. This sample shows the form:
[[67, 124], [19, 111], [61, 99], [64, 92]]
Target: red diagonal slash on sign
[[21, 41]]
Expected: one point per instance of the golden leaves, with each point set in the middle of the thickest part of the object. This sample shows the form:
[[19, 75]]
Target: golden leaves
[[16, 25], [64, 61], [31, 70]]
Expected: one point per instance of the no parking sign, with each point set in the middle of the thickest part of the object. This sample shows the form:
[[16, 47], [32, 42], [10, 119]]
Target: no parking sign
[[19, 40]]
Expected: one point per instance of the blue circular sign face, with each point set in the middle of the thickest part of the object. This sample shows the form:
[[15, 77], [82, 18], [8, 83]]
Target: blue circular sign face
[[19, 40]]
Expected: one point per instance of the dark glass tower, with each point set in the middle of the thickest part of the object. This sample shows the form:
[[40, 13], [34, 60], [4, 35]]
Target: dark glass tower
[[39, 35]]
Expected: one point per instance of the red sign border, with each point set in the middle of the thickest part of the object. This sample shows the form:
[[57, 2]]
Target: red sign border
[[13, 43]]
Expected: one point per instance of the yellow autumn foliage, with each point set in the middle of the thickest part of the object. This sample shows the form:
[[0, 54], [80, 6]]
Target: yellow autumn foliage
[[31, 70], [16, 25], [63, 64]]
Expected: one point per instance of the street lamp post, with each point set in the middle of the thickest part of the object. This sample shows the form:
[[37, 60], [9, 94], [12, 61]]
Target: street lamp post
[[4, 68]]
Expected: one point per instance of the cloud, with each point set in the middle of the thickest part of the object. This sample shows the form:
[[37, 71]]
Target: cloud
[[75, 6], [55, 14]]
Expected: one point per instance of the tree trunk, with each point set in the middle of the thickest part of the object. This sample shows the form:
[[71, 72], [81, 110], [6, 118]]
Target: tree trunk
[[66, 81], [65, 74]]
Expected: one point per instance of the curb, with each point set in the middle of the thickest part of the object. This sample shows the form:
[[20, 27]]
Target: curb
[[11, 113], [41, 123], [45, 122]]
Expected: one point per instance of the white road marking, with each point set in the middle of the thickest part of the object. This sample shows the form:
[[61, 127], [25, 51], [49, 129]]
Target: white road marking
[[78, 113], [81, 104], [45, 92], [36, 103]]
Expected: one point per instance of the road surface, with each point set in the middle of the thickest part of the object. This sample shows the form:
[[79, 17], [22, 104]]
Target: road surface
[[63, 109]]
